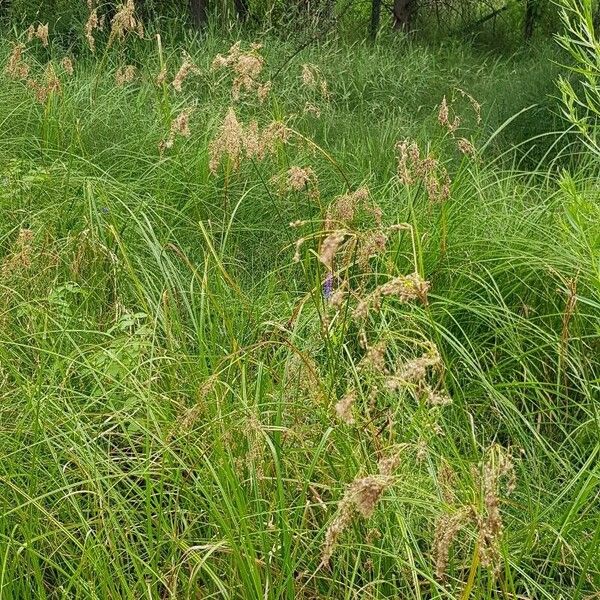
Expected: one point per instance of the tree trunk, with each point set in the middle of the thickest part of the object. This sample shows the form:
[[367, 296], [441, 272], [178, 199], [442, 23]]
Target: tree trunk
[[530, 13], [199, 10], [404, 13], [375, 17]]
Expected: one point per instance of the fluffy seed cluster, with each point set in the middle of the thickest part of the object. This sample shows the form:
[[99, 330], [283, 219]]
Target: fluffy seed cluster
[[16, 67], [92, 23], [444, 117], [447, 528], [186, 69], [49, 85], [247, 68], [67, 65], [236, 141], [180, 126], [346, 207], [125, 75], [343, 408], [40, 32], [297, 179], [404, 288], [413, 167], [361, 498], [125, 22], [412, 375], [498, 467]]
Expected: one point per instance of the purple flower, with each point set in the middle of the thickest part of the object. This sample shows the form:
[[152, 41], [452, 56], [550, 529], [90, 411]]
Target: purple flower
[[328, 286]]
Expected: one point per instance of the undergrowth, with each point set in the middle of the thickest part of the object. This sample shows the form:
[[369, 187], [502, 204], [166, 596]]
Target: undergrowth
[[303, 327]]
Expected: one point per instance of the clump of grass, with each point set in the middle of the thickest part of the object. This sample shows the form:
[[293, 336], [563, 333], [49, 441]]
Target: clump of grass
[[408, 409]]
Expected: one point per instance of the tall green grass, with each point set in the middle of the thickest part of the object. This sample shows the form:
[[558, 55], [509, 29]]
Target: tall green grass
[[169, 375]]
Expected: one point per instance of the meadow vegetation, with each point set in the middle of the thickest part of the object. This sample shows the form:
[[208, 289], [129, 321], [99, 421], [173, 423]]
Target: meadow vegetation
[[297, 324]]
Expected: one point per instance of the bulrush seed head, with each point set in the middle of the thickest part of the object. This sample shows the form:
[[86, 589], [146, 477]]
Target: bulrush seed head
[[16, 67], [40, 32], [67, 65], [180, 126], [361, 497], [125, 22], [343, 408], [90, 26], [125, 75], [236, 141], [187, 68], [247, 68]]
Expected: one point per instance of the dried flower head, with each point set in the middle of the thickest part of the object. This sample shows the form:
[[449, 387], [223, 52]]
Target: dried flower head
[[309, 75], [236, 141], [180, 126], [49, 85], [404, 288], [474, 104], [465, 147], [361, 497], [187, 68], [125, 75], [67, 65], [447, 528], [246, 67], [311, 109], [125, 22], [499, 466], [343, 408], [313, 78], [413, 167], [90, 26], [40, 32], [21, 255], [444, 117], [329, 248], [161, 78], [16, 67]]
